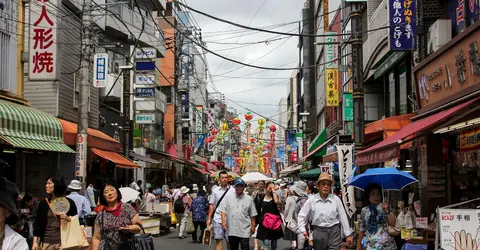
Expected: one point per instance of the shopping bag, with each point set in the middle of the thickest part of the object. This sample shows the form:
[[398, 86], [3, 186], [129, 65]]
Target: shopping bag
[[174, 218], [191, 227], [207, 235], [72, 235]]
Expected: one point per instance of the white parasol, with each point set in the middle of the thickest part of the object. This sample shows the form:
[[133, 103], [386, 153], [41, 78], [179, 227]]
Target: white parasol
[[254, 177], [129, 194]]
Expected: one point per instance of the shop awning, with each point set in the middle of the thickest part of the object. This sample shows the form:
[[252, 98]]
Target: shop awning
[[390, 147], [139, 157], [201, 171], [317, 149], [25, 127], [208, 165], [119, 160], [96, 138], [174, 158], [388, 126], [291, 169]]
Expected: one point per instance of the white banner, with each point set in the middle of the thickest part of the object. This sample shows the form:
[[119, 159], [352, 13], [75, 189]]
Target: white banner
[[198, 119], [345, 169], [459, 227]]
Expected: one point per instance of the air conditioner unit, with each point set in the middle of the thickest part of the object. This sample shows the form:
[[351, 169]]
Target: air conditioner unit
[[439, 34]]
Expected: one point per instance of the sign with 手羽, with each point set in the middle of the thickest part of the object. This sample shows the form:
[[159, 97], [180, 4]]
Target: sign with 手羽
[[331, 50], [43, 43], [144, 92], [331, 89], [402, 24], [458, 226], [145, 53], [100, 67], [145, 118], [347, 107]]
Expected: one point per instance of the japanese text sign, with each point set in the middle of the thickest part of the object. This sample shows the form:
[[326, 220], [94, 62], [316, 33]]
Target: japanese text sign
[[100, 68], [332, 50], [458, 226], [347, 107], [43, 50], [199, 119], [144, 118], [469, 140], [145, 53], [402, 24], [332, 87], [144, 79], [145, 92], [345, 169], [325, 15]]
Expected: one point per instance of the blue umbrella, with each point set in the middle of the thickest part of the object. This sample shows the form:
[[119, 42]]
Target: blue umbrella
[[387, 178]]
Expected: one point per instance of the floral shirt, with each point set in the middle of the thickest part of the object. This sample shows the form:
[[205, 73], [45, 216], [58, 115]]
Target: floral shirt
[[381, 240], [110, 224], [199, 208]]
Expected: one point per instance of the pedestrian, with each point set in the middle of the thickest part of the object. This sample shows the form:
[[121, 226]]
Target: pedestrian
[[181, 208], [82, 203], [9, 239], [176, 192], [269, 216], [137, 186], [216, 198], [297, 190], [325, 213], [374, 221], [90, 194], [116, 223], [251, 188], [194, 191], [24, 226], [238, 216], [46, 229], [149, 197], [199, 215], [257, 197]]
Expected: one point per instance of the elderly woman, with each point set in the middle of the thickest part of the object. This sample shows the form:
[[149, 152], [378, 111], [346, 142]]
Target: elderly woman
[[375, 219], [297, 190], [116, 223], [9, 239], [326, 213], [46, 228]]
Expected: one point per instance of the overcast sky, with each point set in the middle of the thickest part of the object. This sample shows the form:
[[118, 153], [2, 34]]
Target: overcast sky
[[266, 93]]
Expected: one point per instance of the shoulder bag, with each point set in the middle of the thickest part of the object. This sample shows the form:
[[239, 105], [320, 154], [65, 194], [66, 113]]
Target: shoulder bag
[[141, 241], [219, 201]]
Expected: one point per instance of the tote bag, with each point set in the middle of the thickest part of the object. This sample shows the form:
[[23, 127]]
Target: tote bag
[[72, 235]]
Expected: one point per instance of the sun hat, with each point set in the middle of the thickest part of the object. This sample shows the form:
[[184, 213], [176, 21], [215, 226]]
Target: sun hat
[[75, 185], [299, 188], [325, 177], [195, 187], [239, 182], [184, 190], [8, 198]]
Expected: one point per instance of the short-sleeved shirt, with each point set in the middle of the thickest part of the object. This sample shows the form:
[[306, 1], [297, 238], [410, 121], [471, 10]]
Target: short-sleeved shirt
[[240, 210], [217, 193], [110, 224]]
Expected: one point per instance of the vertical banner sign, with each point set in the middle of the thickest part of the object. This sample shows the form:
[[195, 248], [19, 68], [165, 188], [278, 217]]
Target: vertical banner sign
[[332, 50], [402, 29], [347, 107], [198, 119], [81, 156], [100, 64], [185, 106], [332, 87], [325, 15], [42, 62], [345, 169]]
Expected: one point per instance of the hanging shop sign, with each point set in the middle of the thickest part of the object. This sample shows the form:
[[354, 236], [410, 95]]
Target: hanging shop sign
[[81, 155], [43, 43], [325, 16], [145, 53], [145, 92], [199, 119], [347, 107], [331, 50], [469, 140], [345, 169], [144, 79], [100, 70], [147, 118], [451, 74], [379, 156], [402, 30], [458, 226], [332, 87]]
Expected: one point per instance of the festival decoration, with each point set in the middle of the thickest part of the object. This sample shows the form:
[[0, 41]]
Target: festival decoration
[[214, 131], [248, 116], [261, 121], [225, 126], [273, 128], [236, 121]]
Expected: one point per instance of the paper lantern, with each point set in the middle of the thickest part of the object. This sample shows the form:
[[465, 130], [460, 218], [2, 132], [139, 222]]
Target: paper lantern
[[236, 121], [261, 121], [273, 128], [248, 116], [214, 131], [224, 126], [252, 140]]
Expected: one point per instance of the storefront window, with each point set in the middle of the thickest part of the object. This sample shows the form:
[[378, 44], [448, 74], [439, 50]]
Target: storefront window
[[391, 95], [402, 80]]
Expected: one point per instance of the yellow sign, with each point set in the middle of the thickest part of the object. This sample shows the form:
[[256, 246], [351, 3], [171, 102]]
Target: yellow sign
[[331, 87], [470, 140], [325, 15]]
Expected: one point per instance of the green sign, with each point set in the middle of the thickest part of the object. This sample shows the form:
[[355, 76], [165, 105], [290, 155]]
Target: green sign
[[347, 107], [299, 135]]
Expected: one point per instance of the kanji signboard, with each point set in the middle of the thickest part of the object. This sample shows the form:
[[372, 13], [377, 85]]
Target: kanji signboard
[[332, 87], [402, 24], [458, 228], [42, 62], [100, 67]]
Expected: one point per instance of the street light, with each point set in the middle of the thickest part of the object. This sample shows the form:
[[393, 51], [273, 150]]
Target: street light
[[304, 116]]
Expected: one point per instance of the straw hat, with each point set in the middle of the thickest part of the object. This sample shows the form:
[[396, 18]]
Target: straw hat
[[325, 177], [184, 190]]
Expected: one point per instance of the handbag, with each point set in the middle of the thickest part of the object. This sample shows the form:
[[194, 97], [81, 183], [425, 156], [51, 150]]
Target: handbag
[[141, 241], [72, 234], [272, 222], [292, 225]]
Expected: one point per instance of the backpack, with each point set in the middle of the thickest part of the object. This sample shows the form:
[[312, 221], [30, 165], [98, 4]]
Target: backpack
[[178, 206]]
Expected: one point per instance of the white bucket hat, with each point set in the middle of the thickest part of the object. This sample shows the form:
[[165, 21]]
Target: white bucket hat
[[299, 188], [184, 190], [75, 185], [195, 187]]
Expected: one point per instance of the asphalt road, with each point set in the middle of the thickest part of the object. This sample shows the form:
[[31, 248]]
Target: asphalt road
[[171, 241]]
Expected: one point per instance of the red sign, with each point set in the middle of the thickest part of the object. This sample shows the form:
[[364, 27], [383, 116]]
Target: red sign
[[295, 156], [378, 156]]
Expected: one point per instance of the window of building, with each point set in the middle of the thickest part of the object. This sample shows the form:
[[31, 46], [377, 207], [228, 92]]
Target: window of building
[[371, 106], [403, 89], [391, 95]]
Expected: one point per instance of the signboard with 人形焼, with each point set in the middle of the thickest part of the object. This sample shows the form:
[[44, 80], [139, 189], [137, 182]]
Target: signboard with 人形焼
[[458, 228], [331, 87], [100, 67], [43, 44], [402, 24]]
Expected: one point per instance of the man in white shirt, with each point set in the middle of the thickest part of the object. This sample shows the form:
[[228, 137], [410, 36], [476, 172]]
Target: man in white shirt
[[326, 213], [82, 203]]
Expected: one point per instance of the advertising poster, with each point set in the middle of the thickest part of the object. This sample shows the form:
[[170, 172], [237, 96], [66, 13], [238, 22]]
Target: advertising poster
[[459, 228]]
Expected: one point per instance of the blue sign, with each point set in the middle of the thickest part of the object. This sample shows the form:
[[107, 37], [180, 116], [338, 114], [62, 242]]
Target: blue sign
[[402, 31], [100, 69], [145, 66], [201, 138], [292, 140], [145, 92]]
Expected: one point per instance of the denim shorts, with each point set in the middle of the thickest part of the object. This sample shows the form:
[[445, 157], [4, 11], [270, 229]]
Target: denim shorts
[[218, 232]]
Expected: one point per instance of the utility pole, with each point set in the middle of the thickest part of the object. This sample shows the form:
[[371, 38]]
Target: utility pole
[[357, 76], [85, 69], [126, 108]]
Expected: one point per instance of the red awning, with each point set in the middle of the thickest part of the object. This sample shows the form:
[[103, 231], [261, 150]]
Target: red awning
[[208, 166], [390, 147], [201, 170], [119, 160]]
